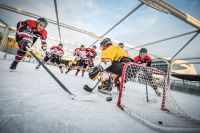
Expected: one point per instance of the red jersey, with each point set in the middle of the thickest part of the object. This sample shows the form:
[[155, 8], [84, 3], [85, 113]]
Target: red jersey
[[147, 59], [91, 53], [80, 54], [33, 26], [57, 50]]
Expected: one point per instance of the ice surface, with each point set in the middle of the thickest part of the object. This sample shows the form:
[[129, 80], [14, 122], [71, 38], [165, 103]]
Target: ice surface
[[31, 101]]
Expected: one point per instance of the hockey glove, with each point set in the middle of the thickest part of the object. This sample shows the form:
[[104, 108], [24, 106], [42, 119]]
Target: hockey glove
[[96, 70], [25, 46], [44, 47], [25, 42]]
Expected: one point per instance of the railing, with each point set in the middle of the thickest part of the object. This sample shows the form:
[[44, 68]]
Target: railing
[[190, 87]]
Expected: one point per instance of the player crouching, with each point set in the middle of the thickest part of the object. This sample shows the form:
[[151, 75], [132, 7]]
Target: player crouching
[[54, 55], [113, 58]]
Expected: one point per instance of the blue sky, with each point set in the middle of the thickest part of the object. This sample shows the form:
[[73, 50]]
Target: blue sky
[[143, 26]]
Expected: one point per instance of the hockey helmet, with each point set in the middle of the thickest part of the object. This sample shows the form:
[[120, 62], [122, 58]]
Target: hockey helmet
[[60, 44], [43, 20], [94, 46], [143, 50], [82, 46], [105, 42], [121, 44]]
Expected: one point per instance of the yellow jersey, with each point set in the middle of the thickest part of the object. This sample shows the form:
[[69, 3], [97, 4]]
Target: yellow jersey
[[114, 53]]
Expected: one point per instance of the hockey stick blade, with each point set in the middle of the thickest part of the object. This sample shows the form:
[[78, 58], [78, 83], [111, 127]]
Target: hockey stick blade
[[87, 88]]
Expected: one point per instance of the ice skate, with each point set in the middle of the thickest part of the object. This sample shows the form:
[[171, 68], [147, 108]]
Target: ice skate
[[13, 65]]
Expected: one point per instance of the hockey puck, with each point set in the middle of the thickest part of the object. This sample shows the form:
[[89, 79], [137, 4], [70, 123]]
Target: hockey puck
[[160, 122], [108, 98]]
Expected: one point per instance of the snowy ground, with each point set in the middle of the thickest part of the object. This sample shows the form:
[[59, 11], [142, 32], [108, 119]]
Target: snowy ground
[[31, 101]]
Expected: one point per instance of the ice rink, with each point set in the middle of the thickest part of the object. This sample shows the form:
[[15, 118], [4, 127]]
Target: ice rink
[[32, 102]]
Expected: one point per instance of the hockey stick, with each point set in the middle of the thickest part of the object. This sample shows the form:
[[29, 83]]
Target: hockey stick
[[52, 75], [147, 97], [140, 73], [89, 89]]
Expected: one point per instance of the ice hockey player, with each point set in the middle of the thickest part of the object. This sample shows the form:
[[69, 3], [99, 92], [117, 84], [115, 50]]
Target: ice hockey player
[[113, 59], [71, 65], [146, 60], [27, 33], [54, 55], [80, 54], [121, 45], [91, 54]]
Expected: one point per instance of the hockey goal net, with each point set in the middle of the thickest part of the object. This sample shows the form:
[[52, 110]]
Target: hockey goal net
[[137, 96]]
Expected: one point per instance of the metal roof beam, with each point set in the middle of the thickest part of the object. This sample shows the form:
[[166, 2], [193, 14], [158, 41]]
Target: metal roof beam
[[20, 11], [174, 11]]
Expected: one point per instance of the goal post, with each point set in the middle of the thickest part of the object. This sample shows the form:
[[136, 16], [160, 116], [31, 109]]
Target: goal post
[[143, 75], [159, 110]]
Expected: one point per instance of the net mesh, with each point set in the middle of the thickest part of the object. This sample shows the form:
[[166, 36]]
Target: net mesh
[[137, 94]]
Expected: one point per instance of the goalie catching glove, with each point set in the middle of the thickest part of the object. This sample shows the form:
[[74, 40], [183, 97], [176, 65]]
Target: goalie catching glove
[[96, 70]]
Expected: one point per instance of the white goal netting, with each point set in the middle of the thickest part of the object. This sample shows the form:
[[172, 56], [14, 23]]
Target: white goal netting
[[137, 95]]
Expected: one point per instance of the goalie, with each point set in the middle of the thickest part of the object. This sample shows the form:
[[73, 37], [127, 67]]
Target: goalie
[[113, 58], [54, 55]]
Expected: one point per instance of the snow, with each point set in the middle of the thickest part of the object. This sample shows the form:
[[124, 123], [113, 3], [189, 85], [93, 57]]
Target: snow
[[31, 101]]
